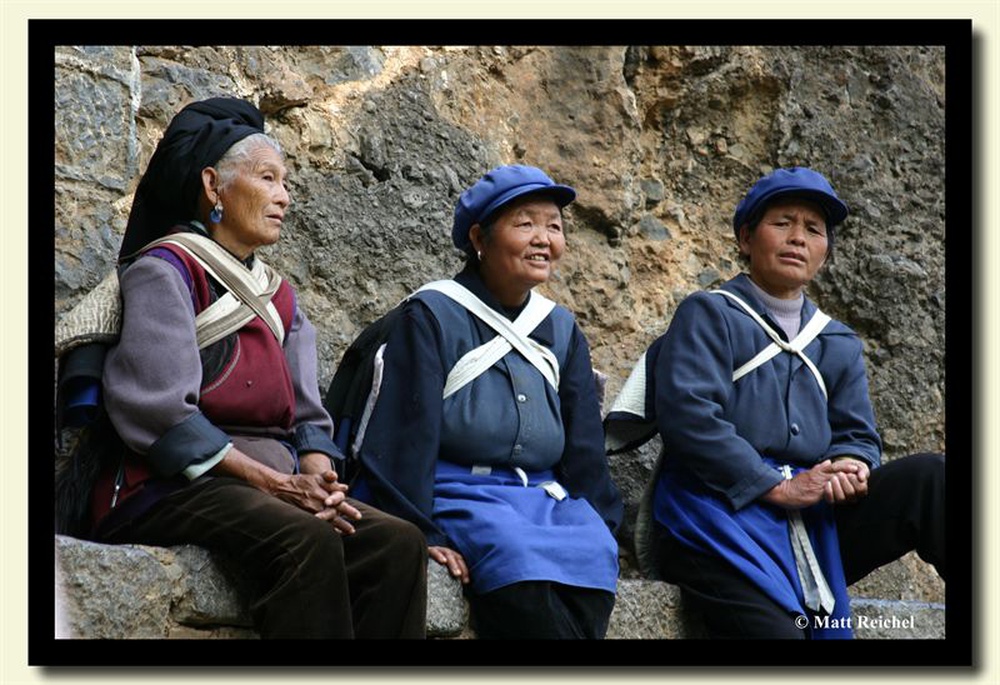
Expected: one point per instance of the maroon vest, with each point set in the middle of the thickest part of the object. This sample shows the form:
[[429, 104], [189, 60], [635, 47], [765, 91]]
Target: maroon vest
[[254, 390]]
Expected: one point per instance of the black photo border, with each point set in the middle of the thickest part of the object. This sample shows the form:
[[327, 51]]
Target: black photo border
[[959, 649]]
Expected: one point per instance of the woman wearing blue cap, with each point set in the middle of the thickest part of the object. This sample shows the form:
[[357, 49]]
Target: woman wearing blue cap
[[767, 502], [487, 430]]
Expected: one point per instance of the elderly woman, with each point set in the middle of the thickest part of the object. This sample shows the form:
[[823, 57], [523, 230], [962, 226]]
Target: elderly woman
[[212, 388], [768, 501], [487, 431]]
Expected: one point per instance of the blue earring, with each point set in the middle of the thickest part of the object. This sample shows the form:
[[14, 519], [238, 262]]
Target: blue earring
[[216, 215]]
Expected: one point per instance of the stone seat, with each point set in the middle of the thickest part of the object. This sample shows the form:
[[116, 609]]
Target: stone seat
[[139, 591]]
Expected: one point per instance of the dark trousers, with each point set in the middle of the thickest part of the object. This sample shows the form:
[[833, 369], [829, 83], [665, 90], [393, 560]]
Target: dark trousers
[[308, 581], [541, 610], [903, 511]]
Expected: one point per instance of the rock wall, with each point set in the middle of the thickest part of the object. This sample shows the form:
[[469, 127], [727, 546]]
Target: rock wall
[[660, 143]]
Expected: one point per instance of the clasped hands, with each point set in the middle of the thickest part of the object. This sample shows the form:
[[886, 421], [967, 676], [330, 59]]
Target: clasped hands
[[317, 489], [839, 481]]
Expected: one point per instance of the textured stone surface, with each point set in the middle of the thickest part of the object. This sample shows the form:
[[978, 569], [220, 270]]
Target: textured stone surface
[[660, 141], [650, 610], [896, 620], [115, 592], [447, 611]]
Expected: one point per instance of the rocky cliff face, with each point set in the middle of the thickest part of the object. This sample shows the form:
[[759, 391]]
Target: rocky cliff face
[[660, 143]]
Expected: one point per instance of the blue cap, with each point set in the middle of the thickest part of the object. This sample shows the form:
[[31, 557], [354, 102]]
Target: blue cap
[[497, 188], [795, 181]]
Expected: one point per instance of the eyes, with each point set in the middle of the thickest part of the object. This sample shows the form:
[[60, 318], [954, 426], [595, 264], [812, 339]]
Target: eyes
[[526, 226], [270, 177], [813, 228]]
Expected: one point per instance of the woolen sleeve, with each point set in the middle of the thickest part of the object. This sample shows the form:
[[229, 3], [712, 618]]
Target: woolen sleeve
[[152, 377], [403, 437], [694, 381], [313, 426], [583, 469], [849, 407]]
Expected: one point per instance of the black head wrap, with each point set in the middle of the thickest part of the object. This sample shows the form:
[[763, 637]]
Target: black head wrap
[[196, 138]]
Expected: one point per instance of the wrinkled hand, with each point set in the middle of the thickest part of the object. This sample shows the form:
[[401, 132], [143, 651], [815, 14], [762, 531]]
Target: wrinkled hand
[[314, 489], [322, 495], [838, 481], [337, 510], [848, 486], [451, 559]]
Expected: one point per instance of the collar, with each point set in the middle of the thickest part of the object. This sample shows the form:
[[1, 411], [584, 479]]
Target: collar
[[469, 277], [742, 286], [195, 226]]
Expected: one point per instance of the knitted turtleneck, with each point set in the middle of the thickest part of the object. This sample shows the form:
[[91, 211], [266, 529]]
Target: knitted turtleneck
[[786, 313]]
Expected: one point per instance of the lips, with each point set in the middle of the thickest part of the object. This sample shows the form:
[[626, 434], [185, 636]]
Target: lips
[[793, 256]]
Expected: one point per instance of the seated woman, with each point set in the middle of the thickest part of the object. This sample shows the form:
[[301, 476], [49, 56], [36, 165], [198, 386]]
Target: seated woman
[[212, 389], [769, 499], [487, 430]]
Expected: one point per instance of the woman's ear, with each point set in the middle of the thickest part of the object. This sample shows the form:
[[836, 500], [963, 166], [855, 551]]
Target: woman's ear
[[476, 237], [210, 184], [745, 239]]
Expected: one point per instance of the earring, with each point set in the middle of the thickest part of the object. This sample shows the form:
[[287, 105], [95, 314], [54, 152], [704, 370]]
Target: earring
[[479, 255], [216, 215]]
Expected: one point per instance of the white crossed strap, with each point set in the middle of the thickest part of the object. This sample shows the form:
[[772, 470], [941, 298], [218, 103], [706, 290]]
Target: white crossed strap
[[511, 336], [249, 290], [808, 333], [475, 362], [815, 590]]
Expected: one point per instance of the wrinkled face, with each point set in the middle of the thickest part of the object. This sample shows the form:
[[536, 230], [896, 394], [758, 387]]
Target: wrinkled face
[[526, 241], [787, 248], [254, 203]]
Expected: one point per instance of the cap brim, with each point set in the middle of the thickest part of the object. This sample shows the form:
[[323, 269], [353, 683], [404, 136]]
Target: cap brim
[[562, 195], [834, 209]]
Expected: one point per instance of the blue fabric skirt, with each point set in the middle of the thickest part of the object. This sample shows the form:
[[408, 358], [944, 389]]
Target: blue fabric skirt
[[509, 533], [755, 540]]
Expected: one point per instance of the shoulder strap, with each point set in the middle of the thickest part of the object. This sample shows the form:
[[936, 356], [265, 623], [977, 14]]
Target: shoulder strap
[[253, 289], [808, 333], [512, 335]]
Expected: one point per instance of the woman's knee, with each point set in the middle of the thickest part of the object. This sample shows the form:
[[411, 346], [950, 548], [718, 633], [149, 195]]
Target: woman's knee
[[393, 534], [406, 539], [930, 465], [309, 543]]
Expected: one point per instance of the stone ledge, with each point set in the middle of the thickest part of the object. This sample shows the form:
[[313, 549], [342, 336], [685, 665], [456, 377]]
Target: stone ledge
[[139, 591], [879, 619]]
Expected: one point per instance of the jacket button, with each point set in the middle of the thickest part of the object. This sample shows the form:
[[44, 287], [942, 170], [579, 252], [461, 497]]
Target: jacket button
[[522, 398], [795, 429]]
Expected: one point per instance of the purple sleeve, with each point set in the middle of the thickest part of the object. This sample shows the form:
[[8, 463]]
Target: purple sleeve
[[153, 375]]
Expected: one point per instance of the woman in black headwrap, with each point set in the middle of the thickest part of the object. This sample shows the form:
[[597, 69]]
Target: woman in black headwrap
[[212, 389]]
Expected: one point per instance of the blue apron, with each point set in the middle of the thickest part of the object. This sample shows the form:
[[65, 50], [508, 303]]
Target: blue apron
[[509, 532]]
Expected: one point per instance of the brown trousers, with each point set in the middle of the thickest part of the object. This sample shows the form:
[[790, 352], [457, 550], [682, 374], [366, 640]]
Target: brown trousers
[[307, 580]]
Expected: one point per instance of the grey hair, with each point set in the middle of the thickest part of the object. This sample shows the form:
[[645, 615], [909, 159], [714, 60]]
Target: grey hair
[[239, 154]]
